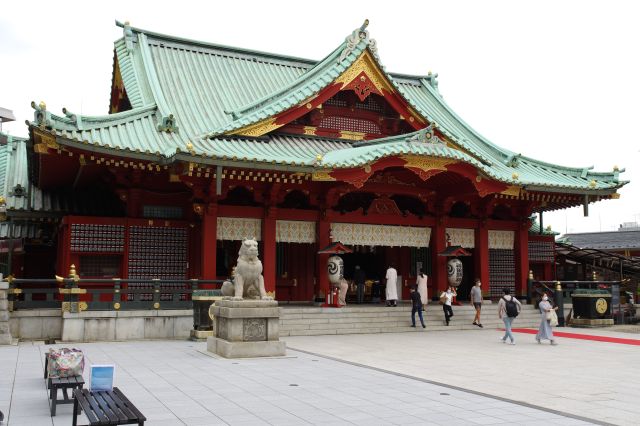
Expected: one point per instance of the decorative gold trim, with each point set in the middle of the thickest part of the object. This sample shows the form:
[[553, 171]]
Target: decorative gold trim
[[74, 290], [82, 306], [156, 305], [350, 135], [66, 307], [258, 129], [322, 176], [427, 163], [116, 306], [512, 190], [309, 130], [615, 196], [272, 294]]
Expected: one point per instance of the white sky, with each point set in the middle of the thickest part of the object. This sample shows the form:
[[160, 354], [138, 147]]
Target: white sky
[[554, 80]]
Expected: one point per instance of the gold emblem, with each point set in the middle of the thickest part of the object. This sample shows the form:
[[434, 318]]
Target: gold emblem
[[116, 306], [156, 305], [322, 175], [601, 306], [427, 163]]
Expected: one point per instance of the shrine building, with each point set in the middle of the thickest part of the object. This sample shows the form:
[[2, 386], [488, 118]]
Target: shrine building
[[205, 145]]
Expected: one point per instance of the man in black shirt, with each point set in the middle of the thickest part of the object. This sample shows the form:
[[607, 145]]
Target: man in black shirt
[[358, 278], [416, 303]]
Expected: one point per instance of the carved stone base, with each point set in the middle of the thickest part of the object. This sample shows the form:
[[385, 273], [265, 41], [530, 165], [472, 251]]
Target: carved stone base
[[246, 329], [200, 335]]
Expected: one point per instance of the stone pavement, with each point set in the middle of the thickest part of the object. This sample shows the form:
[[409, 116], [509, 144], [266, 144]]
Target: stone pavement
[[177, 383], [597, 380]]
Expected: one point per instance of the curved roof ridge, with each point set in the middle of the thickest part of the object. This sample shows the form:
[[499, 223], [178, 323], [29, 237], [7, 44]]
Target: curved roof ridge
[[306, 85], [316, 69], [222, 47], [505, 153], [87, 122]]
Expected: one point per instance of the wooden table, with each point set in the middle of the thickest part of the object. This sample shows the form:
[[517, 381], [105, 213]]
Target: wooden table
[[106, 408]]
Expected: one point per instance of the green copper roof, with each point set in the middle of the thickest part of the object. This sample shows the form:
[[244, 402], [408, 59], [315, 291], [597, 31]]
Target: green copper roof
[[181, 90], [535, 228]]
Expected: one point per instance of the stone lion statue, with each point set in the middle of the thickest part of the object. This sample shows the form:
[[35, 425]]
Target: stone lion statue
[[248, 281]]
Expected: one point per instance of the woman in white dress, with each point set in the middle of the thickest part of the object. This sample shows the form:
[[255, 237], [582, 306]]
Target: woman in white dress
[[422, 289]]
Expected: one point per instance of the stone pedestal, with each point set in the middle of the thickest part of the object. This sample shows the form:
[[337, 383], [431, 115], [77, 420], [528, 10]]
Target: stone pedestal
[[5, 334], [246, 329], [585, 322]]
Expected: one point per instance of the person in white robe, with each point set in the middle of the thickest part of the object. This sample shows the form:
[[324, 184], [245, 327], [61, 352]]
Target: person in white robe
[[422, 289], [392, 288]]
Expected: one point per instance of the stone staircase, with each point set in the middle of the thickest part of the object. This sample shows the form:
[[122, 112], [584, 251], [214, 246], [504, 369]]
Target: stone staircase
[[363, 319]]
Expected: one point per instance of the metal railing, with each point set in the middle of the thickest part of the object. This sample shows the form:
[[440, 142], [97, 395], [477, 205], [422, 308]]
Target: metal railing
[[75, 294]]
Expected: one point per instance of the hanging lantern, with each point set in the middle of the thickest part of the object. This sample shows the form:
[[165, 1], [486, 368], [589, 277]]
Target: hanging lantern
[[335, 269], [454, 272]]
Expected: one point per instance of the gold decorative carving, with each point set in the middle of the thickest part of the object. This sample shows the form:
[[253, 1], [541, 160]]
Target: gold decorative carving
[[353, 136], [512, 190], [66, 307], [367, 168], [257, 129], [82, 306], [322, 175], [156, 305], [309, 130], [615, 196], [427, 163], [272, 294], [116, 306]]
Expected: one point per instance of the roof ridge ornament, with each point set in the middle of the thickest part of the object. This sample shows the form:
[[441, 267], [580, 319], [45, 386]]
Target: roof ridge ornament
[[75, 118], [427, 135], [433, 80], [358, 35], [41, 116], [168, 124], [129, 37]]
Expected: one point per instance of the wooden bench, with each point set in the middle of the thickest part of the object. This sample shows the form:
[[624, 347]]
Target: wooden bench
[[62, 383], [105, 408]]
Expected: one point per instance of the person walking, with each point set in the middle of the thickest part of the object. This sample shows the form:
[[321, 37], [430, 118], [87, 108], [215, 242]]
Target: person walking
[[416, 306], [392, 286], [422, 289], [446, 298], [359, 278], [476, 301], [508, 309], [544, 331]]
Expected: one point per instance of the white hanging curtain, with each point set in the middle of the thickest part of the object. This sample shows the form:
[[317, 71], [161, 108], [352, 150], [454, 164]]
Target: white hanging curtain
[[295, 231], [380, 235], [461, 237], [239, 228], [501, 240]]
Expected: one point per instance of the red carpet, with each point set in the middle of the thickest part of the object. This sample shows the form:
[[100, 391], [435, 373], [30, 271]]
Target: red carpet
[[619, 340]]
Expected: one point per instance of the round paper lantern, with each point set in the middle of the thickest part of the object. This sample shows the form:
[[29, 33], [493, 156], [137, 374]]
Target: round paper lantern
[[335, 269], [454, 272]]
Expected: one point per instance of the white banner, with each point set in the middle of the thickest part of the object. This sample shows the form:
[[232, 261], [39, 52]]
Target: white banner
[[239, 228], [461, 237], [295, 231], [380, 235], [501, 239]]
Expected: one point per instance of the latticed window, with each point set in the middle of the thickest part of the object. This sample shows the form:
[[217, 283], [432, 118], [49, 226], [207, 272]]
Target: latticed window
[[162, 212], [100, 266], [501, 272], [350, 124], [541, 251], [370, 104]]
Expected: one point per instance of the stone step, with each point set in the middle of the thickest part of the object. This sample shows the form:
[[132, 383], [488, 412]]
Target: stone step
[[308, 321]]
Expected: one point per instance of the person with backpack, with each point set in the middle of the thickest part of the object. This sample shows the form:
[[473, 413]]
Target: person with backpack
[[508, 309], [416, 306]]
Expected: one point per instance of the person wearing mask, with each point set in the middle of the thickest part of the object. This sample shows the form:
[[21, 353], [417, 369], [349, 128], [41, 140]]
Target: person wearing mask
[[422, 288], [476, 301], [392, 287], [359, 278], [446, 298], [416, 306], [544, 331], [508, 309]]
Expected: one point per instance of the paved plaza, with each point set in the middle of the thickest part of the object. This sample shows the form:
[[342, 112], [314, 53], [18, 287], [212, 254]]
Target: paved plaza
[[356, 379]]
